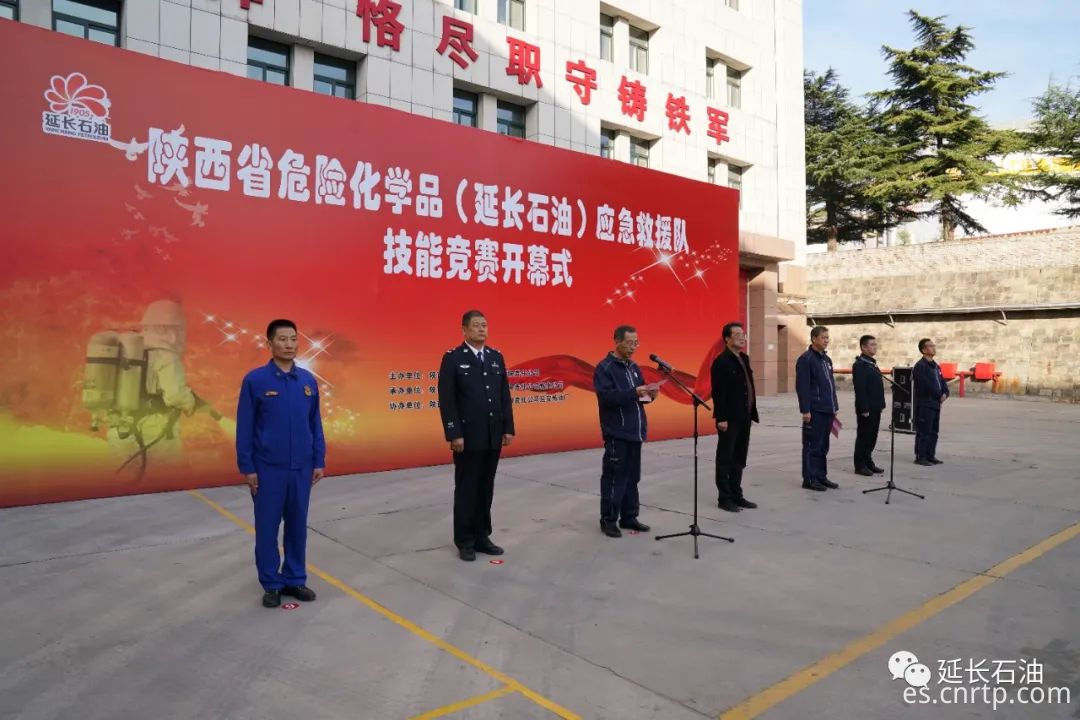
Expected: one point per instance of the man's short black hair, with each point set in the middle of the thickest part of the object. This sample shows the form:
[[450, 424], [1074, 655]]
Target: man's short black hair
[[922, 344], [865, 339], [276, 325], [620, 332], [726, 333], [818, 330], [467, 317]]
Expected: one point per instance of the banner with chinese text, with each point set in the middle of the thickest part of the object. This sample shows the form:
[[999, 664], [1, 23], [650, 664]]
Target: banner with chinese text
[[156, 217]]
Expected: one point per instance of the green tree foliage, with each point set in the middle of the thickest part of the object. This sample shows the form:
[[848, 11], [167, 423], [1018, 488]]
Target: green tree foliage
[[843, 154], [1056, 132], [944, 147]]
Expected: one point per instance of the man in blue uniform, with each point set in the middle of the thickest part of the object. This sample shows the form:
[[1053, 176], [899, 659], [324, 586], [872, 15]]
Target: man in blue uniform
[[817, 402], [931, 391], [281, 452], [478, 421], [620, 393]]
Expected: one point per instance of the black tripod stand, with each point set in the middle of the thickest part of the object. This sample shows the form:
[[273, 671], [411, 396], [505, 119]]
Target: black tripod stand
[[694, 531], [891, 486]]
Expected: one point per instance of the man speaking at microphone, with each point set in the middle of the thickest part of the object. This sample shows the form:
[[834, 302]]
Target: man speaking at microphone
[[621, 393]]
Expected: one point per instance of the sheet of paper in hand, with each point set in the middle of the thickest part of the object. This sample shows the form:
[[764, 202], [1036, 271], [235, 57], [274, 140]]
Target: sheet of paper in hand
[[651, 386]]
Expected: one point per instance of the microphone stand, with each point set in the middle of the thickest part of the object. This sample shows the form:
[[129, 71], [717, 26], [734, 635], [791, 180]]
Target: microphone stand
[[891, 486], [695, 531]]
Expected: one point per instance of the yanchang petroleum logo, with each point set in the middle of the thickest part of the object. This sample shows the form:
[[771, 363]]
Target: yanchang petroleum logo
[[76, 109]]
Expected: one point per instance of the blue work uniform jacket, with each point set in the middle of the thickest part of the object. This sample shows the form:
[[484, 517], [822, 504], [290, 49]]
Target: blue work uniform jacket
[[278, 422], [621, 414], [814, 383]]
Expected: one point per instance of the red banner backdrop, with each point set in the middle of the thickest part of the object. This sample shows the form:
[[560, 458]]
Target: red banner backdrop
[[156, 217]]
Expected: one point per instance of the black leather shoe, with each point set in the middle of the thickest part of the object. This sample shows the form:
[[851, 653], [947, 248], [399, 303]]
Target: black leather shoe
[[610, 529], [488, 548], [272, 598], [935, 461], [864, 471], [814, 485], [728, 505], [924, 463], [829, 484], [874, 468], [301, 592], [634, 524], [467, 554], [744, 503]]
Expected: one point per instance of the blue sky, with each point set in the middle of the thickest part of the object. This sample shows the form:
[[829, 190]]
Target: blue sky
[[1032, 40]]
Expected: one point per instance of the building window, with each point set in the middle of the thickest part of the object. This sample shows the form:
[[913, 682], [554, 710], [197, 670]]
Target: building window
[[9, 9], [512, 13], [510, 119], [607, 143], [639, 152], [734, 180], [466, 5], [734, 87], [335, 77], [97, 20], [466, 108], [268, 61], [733, 4], [607, 37], [639, 50], [713, 164], [711, 66]]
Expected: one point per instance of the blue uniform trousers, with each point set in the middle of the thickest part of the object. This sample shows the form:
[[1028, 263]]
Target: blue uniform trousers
[[815, 446], [621, 471], [927, 421], [283, 495]]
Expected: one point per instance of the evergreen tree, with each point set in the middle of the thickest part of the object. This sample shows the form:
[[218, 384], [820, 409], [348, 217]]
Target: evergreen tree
[[944, 146], [1056, 132], [843, 153]]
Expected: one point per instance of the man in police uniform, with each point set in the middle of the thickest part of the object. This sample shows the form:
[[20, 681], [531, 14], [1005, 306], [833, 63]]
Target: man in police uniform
[[478, 421], [281, 452], [931, 392]]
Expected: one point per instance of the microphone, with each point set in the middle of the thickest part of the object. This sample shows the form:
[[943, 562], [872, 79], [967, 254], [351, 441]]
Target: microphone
[[659, 361]]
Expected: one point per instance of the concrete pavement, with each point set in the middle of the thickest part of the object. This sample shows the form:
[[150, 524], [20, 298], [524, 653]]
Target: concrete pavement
[[148, 606]]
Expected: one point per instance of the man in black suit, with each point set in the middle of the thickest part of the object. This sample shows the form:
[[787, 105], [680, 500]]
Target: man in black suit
[[734, 407], [931, 392], [869, 402], [478, 421]]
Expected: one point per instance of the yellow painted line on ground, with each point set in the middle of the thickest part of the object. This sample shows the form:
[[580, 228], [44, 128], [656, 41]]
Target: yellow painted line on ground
[[512, 684], [811, 674], [449, 709]]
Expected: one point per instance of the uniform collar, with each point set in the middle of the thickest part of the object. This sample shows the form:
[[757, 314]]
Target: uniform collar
[[819, 353], [628, 362], [866, 358], [278, 371]]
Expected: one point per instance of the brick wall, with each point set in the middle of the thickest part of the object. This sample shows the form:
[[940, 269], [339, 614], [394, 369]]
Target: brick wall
[[1038, 351]]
